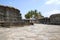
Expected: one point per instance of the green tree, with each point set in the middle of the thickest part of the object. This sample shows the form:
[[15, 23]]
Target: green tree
[[36, 14]]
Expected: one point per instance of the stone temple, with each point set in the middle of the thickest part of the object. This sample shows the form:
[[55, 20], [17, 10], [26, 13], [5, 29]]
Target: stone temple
[[55, 19], [9, 16]]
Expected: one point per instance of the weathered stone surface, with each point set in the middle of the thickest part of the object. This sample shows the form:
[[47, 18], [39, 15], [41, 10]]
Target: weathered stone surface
[[9, 15], [33, 32], [55, 19]]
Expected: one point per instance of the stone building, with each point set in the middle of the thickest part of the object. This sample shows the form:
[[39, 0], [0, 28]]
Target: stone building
[[44, 20], [9, 15], [55, 19]]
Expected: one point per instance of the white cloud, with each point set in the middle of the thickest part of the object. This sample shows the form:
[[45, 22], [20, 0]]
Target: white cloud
[[53, 12], [53, 2]]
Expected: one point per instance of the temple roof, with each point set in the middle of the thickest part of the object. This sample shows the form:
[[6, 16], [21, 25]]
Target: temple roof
[[9, 7]]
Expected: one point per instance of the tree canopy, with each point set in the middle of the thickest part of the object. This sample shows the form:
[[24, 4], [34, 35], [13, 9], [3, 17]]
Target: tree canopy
[[34, 14]]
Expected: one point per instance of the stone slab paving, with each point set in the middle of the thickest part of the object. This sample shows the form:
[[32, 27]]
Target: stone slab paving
[[32, 32]]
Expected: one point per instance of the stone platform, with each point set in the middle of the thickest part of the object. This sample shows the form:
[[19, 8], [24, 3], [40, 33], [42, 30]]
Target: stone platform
[[32, 32]]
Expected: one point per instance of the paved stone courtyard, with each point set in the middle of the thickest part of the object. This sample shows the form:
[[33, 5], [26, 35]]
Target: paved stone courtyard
[[32, 32]]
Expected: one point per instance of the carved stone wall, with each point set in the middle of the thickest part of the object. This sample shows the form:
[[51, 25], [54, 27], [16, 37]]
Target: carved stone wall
[[9, 14], [55, 19]]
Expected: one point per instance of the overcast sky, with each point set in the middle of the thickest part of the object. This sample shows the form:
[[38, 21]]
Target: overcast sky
[[46, 7]]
